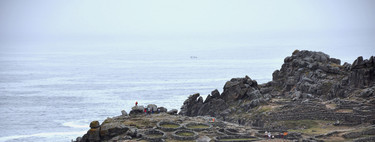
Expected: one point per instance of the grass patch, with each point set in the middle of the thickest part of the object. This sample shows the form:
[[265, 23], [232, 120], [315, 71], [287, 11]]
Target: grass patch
[[310, 127], [345, 110], [294, 124], [172, 140], [197, 126], [170, 126], [155, 135], [331, 106], [140, 123], [239, 139], [186, 134]]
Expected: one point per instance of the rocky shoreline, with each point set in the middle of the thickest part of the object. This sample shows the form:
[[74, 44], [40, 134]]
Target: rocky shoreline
[[312, 97]]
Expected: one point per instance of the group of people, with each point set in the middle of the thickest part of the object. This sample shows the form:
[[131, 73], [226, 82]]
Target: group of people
[[270, 136]]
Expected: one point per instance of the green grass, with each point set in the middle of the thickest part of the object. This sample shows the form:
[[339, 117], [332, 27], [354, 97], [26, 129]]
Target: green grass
[[239, 139], [197, 126], [155, 135], [170, 126], [310, 127], [185, 134]]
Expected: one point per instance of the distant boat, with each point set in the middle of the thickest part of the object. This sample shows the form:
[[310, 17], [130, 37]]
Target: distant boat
[[193, 57]]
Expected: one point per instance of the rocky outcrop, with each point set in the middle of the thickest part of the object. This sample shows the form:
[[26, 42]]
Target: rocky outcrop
[[362, 72], [216, 104], [137, 110], [308, 72], [161, 127], [311, 90], [306, 79]]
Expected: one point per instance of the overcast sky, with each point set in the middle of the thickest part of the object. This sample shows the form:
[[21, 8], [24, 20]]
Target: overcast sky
[[199, 22]]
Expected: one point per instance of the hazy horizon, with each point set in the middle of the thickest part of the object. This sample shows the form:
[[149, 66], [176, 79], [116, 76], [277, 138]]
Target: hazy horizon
[[340, 28]]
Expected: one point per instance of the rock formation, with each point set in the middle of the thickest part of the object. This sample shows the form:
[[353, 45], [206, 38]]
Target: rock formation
[[312, 96], [304, 88]]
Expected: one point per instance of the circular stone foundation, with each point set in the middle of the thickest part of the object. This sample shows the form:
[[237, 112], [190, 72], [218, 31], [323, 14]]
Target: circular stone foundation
[[198, 126], [168, 126], [236, 138], [185, 135], [154, 135]]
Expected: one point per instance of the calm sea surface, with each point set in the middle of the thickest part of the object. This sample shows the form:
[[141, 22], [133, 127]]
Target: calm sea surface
[[53, 96]]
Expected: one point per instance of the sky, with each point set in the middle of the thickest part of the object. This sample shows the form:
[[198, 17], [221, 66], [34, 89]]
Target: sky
[[190, 24]]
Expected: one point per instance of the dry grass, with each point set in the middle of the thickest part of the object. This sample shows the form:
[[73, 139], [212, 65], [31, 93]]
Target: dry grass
[[345, 110], [331, 106]]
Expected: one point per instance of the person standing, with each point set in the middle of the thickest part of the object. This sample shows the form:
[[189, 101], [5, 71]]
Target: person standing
[[136, 103], [269, 135], [285, 133]]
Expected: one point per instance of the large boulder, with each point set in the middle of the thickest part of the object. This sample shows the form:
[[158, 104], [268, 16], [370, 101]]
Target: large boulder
[[109, 130], [172, 111], [137, 110], [236, 88], [124, 113], [94, 124], [162, 109], [152, 107]]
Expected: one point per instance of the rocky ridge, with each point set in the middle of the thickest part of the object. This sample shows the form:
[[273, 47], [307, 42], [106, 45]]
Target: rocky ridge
[[309, 86], [312, 96]]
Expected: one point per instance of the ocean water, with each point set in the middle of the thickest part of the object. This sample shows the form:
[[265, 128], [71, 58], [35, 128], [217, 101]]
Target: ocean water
[[54, 95]]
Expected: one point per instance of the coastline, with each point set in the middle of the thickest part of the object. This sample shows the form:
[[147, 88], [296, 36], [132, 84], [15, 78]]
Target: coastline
[[262, 107]]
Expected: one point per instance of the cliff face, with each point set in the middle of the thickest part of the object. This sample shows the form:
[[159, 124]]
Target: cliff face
[[307, 80]]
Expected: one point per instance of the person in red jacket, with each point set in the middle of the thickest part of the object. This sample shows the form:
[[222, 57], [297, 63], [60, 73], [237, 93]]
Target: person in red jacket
[[136, 103]]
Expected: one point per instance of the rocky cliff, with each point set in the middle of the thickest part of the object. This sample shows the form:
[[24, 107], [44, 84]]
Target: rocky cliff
[[309, 86], [313, 97]]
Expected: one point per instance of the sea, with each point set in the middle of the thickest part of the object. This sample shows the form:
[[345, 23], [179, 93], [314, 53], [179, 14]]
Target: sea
[[53, 93]]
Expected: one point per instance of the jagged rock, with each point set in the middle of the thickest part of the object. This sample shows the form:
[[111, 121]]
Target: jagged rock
[[124, 113], [213, 107], [172, 111], [215, 94], [362, 72], [236, 88], [192, 105]]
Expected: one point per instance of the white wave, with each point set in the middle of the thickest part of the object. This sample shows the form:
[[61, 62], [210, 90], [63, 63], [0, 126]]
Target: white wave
[[51, 134], [74, 125]]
